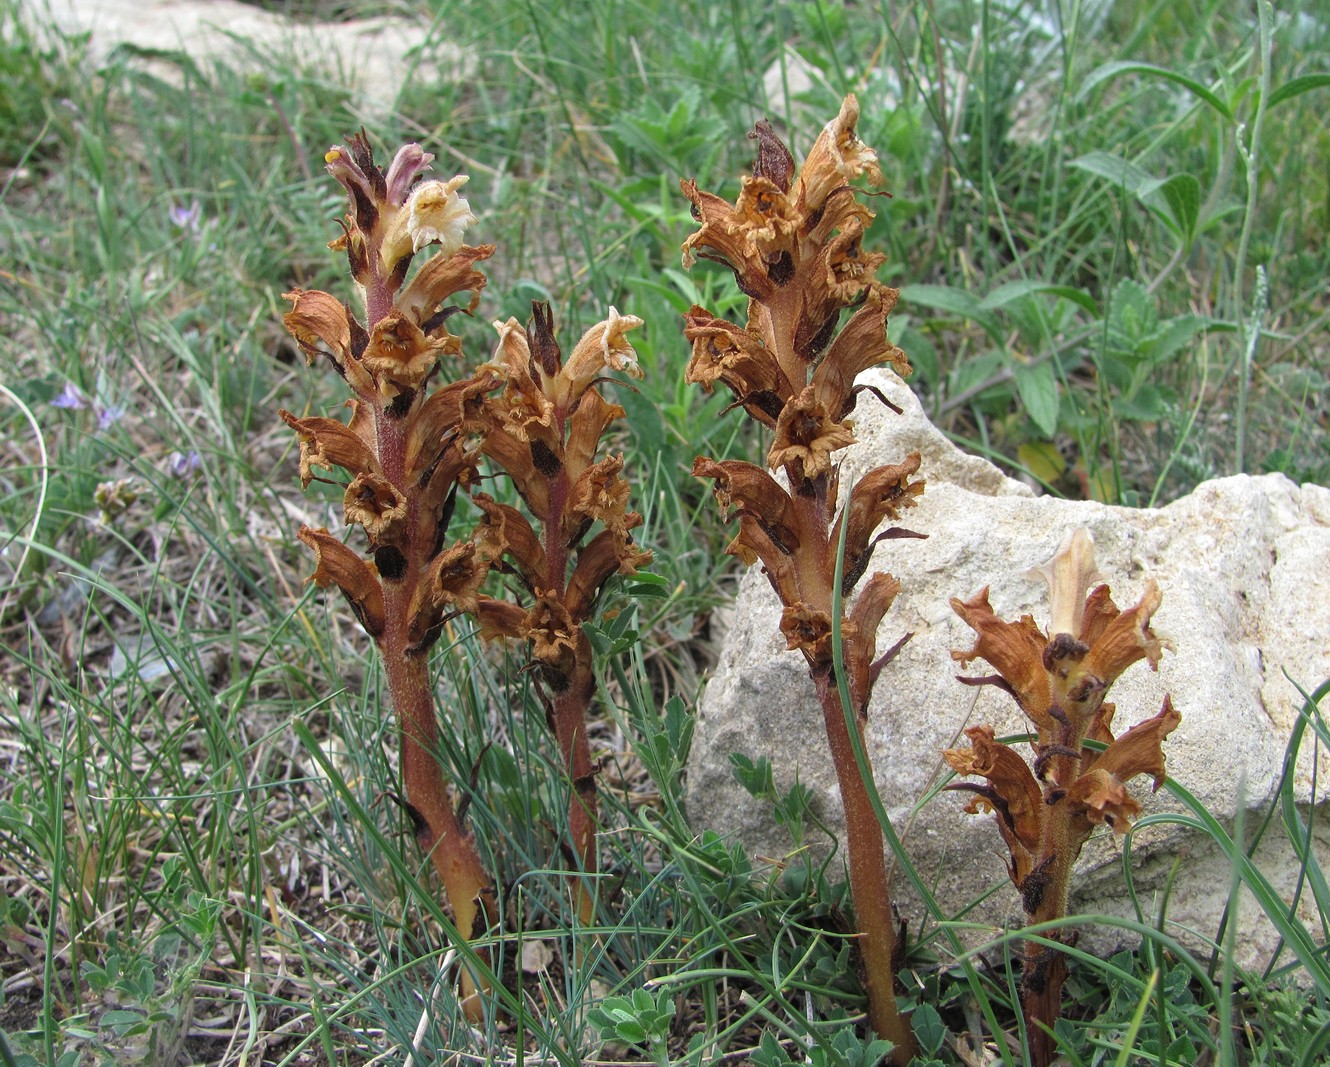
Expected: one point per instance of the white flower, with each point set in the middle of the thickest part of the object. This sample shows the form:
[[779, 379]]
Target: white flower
[[438, 214]]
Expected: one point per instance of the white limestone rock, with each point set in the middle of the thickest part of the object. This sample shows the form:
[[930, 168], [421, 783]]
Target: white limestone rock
[[1244, 566], [372, 56]]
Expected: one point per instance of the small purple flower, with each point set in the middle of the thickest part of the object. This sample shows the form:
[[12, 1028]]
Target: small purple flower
[[187, 218], [180, 464], [108, 415], [70, 398]]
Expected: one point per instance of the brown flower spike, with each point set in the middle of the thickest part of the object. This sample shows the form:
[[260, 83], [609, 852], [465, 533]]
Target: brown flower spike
[[1060, 678], [794, 242], [404, 454], [407, 451], [544, 431]]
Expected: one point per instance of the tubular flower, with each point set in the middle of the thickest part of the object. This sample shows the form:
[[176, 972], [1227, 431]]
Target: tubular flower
[[409, 453], [1059, 678], [406, 456], [794, 240], [544, 430]]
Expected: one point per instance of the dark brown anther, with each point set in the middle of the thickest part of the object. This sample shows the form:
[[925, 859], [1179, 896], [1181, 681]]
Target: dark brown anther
[[1063, 646], [544, 459], [781, 269], [540, 338], [390, 562], [774, 161], [1036, 882]]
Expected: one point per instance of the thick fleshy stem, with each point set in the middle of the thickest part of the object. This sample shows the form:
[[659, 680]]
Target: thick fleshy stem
[[429, 803], [869, 884], [1046, 893], [570, 729]]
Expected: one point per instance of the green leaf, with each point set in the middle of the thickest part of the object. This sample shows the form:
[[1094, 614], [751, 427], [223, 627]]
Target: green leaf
[[754, 776], [953, 301], [1297, 87], [928, 1028], [1181, 193], [1173, 335], [120, 1021], [1147, 404], [1037, 386], [923, 356], [1114, 168], [1042, 459], [1109, 71], [1011, 291]]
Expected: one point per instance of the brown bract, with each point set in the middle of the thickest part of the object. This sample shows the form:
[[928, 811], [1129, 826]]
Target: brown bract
[[328, 443], [335, 564], [1059, 679], [1013, 795]]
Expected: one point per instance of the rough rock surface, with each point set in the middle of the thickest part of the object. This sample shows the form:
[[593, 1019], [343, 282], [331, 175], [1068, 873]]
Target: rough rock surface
[[1244, 566], [371, 55]]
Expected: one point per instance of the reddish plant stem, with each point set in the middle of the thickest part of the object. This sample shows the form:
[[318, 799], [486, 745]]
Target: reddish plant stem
[[583, 808], [569, 707], [437, 830], [869, 885], [1045, 968]]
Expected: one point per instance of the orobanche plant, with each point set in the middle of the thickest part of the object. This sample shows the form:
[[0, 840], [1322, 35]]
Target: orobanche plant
[[411, 444], [794, 242], [1045, 814]]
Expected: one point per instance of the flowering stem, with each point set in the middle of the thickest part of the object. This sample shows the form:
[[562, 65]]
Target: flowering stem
[[570, 705], [869, 885], [437, 830], [1045, 968]]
